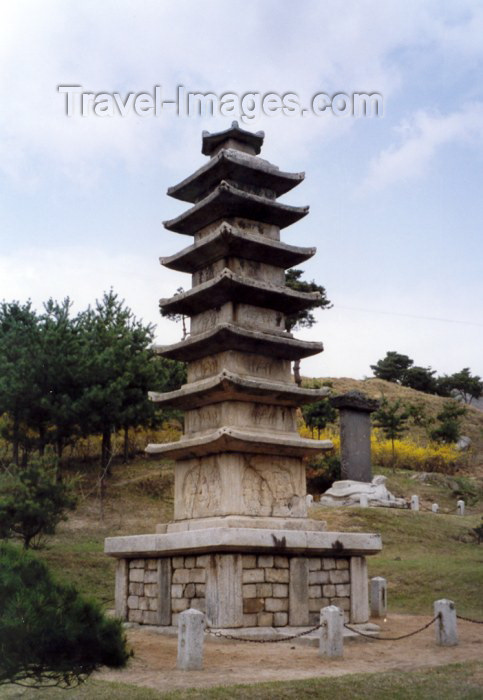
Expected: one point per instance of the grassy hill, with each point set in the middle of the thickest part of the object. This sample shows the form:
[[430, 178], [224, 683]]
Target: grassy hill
[[472, 423]]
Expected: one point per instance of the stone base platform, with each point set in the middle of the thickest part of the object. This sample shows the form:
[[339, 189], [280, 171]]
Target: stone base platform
[[242, 521], [242, 577]]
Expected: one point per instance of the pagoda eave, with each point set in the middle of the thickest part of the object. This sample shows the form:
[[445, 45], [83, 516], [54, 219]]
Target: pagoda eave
[[227, 201], [228, 286], [229, 439], [227, 336], [210, 142], [228, 242], [233, 165], [228, 386]]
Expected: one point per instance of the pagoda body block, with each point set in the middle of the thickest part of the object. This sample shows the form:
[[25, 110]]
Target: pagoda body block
[[240, 512]]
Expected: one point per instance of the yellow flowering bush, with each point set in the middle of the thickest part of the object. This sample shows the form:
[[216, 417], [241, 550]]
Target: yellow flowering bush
[[409, 454]]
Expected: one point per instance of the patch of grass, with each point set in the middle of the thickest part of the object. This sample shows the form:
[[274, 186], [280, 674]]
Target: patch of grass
[[453, 682], [424, 557]]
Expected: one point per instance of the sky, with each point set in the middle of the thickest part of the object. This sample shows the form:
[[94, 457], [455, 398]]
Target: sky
[[396, 205]]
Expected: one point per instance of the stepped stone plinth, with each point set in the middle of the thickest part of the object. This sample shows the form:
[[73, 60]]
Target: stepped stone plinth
[[241, 546]]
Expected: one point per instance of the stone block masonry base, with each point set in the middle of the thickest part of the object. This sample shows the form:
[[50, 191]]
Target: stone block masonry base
[[241, 590]]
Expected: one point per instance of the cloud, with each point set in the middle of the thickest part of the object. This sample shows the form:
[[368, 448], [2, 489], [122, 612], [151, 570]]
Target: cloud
[[266, 46], [84, 274], [422, 139]]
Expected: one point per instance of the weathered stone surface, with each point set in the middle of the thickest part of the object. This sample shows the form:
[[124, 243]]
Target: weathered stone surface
[[271, 522], [331, 632], [299, 591], [277, 605], [224, 594], [339, 576], [121, 588], [281, 562], [249, 590], [265, 619], [253, 605], [190, 590], [349, 492], [378, 596], [249, 561], [191, 632], [359, 604], [177, 590], [280, 590], [133, 602], [264, 589], [253, 575], [315, 591], [319, 577], [136, 575], [244, 539], [446, 624], [277, 575], [280, 619], [250, 620]]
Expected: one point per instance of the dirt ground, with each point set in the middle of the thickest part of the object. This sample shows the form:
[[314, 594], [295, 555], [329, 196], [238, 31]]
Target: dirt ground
[[154, 663]]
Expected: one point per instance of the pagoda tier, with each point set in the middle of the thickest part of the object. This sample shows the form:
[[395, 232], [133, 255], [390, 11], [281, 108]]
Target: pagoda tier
[[227, 336], [234, 166], [227, 242], [229, 439], [228, 286], [227, 201], [230, 386]]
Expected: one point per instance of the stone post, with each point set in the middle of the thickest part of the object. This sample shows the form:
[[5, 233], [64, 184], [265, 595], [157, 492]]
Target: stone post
[[435, 508], [446, 627], [415, 503], [359, 610], [363, 500], [298, 592], [378, 595], [191, 632], [460, 507], [121, 588], [332, 632], [355, 434]]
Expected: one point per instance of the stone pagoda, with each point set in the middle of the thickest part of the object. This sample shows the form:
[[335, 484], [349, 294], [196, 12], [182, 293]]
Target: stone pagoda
[[241, 547]]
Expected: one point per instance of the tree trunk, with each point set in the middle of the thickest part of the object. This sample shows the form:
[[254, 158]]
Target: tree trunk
[[42, 440], [393, 455], [106, 451], [126, 445], [296, 373], [15, 440]]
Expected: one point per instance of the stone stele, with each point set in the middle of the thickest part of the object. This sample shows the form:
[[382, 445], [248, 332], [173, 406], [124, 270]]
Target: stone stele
[[241, 547]]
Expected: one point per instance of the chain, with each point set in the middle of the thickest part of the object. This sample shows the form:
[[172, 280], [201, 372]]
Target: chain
[[468, 619], [263, 641], [394, 639]]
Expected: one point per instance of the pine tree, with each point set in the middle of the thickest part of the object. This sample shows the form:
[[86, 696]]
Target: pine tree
[[33, 501], [50, 635], [305, 318], [391, 417]]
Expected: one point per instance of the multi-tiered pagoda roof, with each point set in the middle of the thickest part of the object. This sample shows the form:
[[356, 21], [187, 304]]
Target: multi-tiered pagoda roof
[[238, 350]]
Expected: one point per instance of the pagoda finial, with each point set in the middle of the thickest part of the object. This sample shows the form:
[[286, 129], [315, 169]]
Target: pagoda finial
[[234, 137]]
